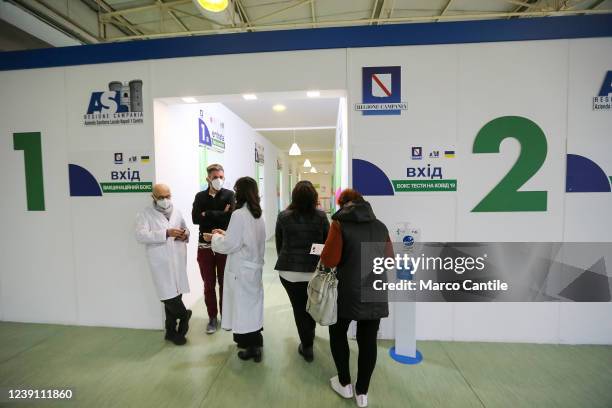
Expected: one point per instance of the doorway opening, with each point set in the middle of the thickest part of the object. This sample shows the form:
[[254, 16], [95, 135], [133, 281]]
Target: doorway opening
[[251, 135]]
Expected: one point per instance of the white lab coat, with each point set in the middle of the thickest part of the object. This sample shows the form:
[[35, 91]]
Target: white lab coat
[[244, 243], [167, 257]]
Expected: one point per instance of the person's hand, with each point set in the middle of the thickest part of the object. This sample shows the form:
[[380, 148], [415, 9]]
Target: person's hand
[[207, 236], [184, 236], [218, 231], [174, 232], [227, 208]]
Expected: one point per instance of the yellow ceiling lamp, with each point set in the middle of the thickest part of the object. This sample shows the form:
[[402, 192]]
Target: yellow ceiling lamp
[[215, 6]]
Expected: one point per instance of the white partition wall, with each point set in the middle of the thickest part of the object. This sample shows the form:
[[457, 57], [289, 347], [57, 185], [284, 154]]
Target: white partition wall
[[37, 273], [77, 262], [451, 92]]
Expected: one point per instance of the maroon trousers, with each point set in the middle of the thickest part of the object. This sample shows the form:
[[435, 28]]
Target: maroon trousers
[[212, 266]]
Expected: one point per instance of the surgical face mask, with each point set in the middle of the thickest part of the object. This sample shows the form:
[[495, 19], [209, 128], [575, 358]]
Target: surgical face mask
[[217, 183], [163, 203]]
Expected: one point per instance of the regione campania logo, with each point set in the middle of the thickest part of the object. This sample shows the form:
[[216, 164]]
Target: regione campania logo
[[381, 89]]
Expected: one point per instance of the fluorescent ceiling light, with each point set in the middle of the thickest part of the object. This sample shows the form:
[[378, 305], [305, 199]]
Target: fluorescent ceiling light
[[279, 108], [313, 169], [307, 163], [249, 97], [189, 99], [215, 6], [313, 94], [295, 150]]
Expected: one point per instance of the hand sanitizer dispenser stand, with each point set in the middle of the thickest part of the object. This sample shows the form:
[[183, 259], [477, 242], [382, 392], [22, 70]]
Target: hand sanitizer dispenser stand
[[406, 236]]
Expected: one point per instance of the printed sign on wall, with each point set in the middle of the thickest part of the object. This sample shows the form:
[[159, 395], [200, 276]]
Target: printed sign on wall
[[414, 168], [97, 173], [259, 153], [381, 91], [121, 104], [212, 134], [603, 100]]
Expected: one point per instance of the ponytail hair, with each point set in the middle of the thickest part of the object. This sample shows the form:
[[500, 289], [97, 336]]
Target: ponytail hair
[[247, 192]]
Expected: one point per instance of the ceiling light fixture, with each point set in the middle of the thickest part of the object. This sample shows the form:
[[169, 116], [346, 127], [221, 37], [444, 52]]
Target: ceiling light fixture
[[295, 149], [313, 94], [279, 108], [307, 163], [313, 169], [189, 99], [249, 97], [215, 6]]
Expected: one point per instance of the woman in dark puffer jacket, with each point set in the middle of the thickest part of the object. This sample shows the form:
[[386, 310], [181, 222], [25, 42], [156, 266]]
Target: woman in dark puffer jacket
[[297, 228], [353, 224]]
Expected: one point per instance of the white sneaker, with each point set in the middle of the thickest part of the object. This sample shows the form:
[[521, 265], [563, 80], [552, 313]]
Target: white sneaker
[[361, 400], [345, 391]]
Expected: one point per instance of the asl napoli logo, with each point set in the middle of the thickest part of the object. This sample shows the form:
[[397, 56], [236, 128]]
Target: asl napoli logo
[[603, 101], [381, 90], [120, 105]]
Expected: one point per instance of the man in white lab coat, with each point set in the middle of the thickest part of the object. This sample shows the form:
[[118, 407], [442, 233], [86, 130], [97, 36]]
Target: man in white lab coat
[[163, 231]]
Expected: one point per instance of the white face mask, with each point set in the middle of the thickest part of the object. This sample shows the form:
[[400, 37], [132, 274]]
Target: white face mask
[[163, 203], [217, 183]]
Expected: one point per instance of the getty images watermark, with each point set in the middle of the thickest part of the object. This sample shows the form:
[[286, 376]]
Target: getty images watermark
[[486, 272]]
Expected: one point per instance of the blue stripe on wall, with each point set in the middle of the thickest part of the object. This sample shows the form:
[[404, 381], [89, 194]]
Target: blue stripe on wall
[[545, 28]]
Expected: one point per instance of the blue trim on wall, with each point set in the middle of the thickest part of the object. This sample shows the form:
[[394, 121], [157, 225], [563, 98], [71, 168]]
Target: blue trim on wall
[[522, 29]]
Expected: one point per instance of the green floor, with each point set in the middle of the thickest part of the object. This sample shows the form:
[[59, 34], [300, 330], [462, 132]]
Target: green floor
[[136, 368]]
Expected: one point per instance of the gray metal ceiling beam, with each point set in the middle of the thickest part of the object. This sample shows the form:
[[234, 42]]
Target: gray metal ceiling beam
[[339, 23], [445, 9]]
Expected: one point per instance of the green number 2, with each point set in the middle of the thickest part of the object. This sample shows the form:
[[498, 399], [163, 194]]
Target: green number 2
[[32, 156], [505, 196]]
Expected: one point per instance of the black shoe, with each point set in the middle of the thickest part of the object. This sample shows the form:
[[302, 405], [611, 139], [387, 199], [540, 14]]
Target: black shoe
[[306, 352], [250, 352], [175, 338], [183, 325], [179, 340]]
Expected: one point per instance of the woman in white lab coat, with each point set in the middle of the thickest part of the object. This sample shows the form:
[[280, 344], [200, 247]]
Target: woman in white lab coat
[[244, 243]]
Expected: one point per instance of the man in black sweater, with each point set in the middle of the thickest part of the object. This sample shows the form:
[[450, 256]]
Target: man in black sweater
[[212, 208]]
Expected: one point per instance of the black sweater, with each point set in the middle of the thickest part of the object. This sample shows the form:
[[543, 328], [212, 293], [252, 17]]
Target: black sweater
[[295, 234], [215, 216]]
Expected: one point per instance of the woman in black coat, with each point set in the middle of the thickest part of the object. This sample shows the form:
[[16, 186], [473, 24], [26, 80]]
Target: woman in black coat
[[353, 224], [297, 228]]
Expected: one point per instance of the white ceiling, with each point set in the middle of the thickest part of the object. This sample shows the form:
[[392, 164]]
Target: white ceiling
[[309, 112], [302, 112], [312, 119], [316, 145]]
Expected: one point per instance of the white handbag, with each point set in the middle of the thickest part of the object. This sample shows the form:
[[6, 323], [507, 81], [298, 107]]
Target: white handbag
[[322, 302]]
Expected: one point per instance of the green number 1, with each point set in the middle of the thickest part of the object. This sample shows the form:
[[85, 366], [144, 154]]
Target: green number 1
[[29, 142], [505, 196]]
